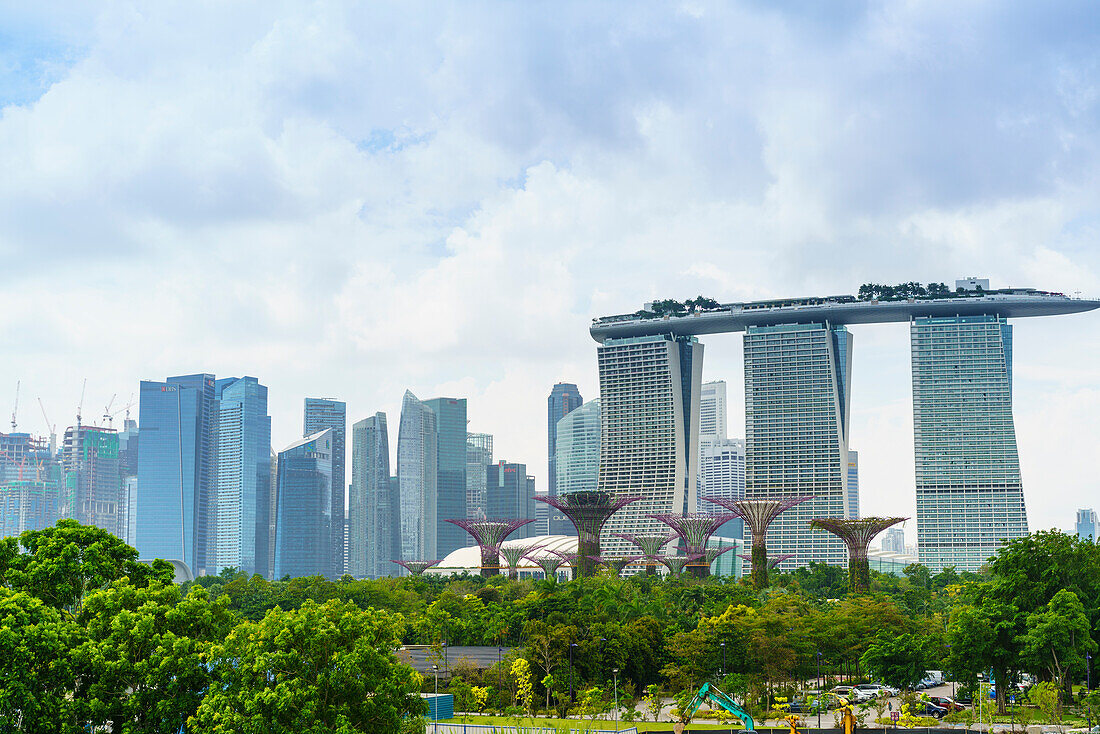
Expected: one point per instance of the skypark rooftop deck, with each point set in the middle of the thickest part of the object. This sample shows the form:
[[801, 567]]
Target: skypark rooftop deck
[[1010, 303]]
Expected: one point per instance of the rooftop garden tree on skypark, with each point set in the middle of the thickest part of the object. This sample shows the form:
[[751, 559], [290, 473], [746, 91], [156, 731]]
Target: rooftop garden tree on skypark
[[650, 544], [416, 568], [695, 530], [588, 511], [759, 513], [857, 535], [489, 534], [513, 554]]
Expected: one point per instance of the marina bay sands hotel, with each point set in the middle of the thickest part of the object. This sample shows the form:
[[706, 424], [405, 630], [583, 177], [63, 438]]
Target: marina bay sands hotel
[[798, 360]]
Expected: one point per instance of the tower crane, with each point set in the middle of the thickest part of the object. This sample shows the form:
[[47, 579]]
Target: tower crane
[[111, 416], [15, 409], [50, 427], [80, 405], [108, 416]]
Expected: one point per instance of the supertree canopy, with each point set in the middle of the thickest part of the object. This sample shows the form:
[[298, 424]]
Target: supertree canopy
[[514, 553], [549, 564], [489, 534], [759, 513], [616, 563], [695, 530], [857, 535], [675, 564], [650, 544], [573, 559], [416, 568], [588, 511]]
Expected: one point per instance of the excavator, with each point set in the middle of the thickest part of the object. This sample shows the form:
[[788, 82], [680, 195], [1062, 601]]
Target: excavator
[[710, 694]]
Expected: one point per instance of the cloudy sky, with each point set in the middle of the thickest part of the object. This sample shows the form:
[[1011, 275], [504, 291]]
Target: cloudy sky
[[352, 199]]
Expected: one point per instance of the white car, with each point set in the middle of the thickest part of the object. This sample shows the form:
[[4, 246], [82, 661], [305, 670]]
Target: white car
[[866, 692]]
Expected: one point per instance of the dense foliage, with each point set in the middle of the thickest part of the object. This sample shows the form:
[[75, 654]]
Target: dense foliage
[[88, 636]]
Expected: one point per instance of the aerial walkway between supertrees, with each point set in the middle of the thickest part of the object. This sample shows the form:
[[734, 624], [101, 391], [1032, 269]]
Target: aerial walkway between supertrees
[[416, 568], [616, 564], [695, 530], [650, 544], [772, 562], [513, 554], [588, 511], [857, 535], [489, 534], [759, 513]]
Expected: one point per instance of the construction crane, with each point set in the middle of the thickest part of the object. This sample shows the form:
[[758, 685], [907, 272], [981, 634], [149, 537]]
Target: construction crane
[[16, 408], [111, 416], [80, 405], [108, 416], [50, 427]]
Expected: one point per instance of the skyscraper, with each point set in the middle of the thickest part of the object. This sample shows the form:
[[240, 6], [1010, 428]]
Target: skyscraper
[[31, 482], [373, 520], [578, 445], [176, 428], [797, 386], [649, 412], [304, 536], [1087, 525], [241, 521], [722, 469], [89, 458], [893, 540], [319, 414], [510, 495], [479, 454], [127, 470], [417, 477], [564, 398], [853, 484], [450, 422], [712, 428], [969, 495]]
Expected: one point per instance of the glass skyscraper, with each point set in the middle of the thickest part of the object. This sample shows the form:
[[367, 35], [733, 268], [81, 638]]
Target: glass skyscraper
[[176, 429], [304, 536], [853, 484], [649, 413], [239, 531], [450, 422], [1086, 525], [564, 398], [374, 538], [479, 454], [796, 432], [722, 469], [969, 494], [319, 414], [578, 447], [417, 477], [510, 494]]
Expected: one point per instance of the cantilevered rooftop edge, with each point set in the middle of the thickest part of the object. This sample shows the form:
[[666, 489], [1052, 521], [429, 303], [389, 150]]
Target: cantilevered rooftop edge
[[838, 310]]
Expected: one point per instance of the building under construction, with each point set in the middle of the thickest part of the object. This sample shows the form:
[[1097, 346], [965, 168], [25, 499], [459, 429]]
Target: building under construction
[[32, 494]]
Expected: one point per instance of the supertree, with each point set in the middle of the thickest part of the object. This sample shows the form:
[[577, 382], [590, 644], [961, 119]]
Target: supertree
[[695, 530], [573, 559], [588, 511], [773, 561], [857, 535], [616, 563], [675, 564], [489, 534], [650, 544], [759, 513], [549, 564], [514, 553], [416, 568]]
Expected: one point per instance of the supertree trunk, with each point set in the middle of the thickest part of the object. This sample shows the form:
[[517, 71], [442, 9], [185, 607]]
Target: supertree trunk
[[759, 566]]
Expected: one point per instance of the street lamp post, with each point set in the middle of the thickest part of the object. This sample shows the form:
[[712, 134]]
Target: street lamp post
[[819, 691], [615, 675], [435, 703], [572, 696], [1088, 688], [722, 671]]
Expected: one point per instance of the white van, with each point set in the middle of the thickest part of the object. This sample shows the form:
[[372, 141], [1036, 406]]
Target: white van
[[935, 677]]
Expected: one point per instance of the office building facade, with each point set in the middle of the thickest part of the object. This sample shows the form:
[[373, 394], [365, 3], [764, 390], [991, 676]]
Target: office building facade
[[176, 430], [241, 516], [578, 451], [417, 476], [306, 513], [565, 397], [893, 540], [969, 494], [450, 484], [373, 508], [479, 455], [649, 415], [319, 414], [853, 484], [509, 494], [1087, 525], [722, 468], [797, 386]]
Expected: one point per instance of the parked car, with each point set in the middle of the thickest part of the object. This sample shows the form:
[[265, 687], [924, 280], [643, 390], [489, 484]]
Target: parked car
[[802, 706], [843, 692], [870, 691], [925, 708], [947, 703]]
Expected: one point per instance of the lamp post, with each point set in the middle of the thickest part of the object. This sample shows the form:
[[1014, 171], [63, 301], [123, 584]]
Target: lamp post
[[615, 676], [435, 702], [722, 670], [819, 691], [500, 671], [572, 696], [1088, 688]]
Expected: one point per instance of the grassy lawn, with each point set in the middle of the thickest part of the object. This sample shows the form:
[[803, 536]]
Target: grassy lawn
[[582, 724]]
